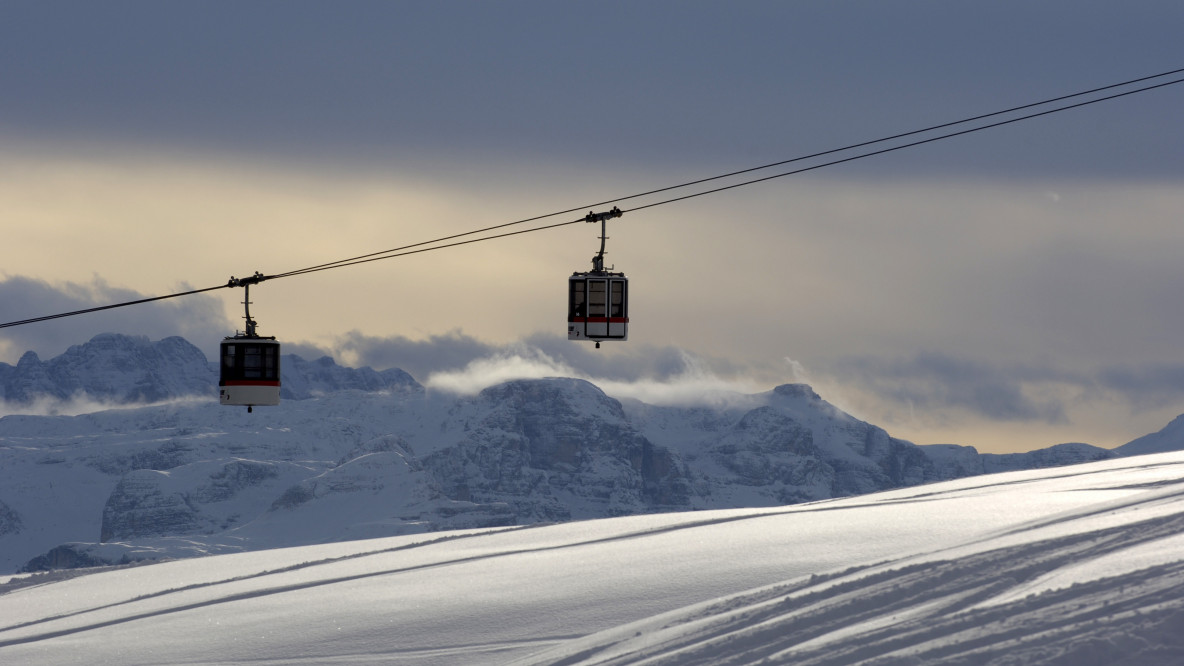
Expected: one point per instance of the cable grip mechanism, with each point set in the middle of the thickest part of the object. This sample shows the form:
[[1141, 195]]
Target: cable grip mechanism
[[602, 218], [246, 283]]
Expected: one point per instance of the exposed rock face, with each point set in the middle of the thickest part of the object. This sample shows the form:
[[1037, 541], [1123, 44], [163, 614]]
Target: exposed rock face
[[168, 455], [10, 521], [143, 505], [66, 556], [784, 446], [301, 379], [198, 498], [557, 449], [768, 450], [894, 463], [112, 367]]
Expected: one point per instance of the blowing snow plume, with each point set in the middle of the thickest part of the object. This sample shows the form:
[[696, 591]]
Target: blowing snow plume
[[81, 403], [694, 383], [517, 362]]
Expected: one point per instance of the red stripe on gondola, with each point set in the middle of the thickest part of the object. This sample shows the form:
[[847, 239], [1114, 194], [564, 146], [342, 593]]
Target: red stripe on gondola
[[250, 382], [598, 320]]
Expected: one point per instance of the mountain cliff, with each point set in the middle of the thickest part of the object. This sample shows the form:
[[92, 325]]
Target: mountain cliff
[[111, 368], [355, 453]]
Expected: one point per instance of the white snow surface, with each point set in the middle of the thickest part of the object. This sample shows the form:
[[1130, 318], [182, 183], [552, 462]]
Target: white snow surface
[[1072, 565]]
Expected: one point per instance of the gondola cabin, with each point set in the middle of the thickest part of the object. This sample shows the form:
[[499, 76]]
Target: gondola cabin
[[598, 306], [250, 371]]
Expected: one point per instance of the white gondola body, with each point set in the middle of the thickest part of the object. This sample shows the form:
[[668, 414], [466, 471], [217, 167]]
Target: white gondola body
[[250, 371], [598, 306]]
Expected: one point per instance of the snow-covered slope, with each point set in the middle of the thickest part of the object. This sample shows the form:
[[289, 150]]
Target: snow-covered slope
[[1078, 565], [1171, 438]]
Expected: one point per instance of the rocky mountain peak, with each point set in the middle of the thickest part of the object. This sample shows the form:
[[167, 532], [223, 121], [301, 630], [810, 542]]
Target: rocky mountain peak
[[796, 391]]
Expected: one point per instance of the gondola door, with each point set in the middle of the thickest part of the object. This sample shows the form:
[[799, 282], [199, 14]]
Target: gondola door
[[597, 308]]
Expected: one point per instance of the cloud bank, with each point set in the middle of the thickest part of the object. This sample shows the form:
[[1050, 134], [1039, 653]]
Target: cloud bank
[[934, 383], [198, 318]]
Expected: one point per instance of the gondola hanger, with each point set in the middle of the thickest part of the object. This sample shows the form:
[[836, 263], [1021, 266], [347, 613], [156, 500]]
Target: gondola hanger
[[597, 300], [249, 363]]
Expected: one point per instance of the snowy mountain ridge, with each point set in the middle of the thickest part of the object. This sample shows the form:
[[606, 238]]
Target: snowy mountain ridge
[[368, 454], [117, 369]]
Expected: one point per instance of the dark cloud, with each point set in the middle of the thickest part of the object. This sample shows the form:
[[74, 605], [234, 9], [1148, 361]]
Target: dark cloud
[[420, 358], [1146, 387], [199, 318], [933, 382], [307, 350], [652, 82]]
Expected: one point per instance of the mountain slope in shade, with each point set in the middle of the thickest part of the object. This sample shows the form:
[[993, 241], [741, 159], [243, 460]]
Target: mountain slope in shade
[[368, 454], [1171, 438], [112, 368], [1077, 565]]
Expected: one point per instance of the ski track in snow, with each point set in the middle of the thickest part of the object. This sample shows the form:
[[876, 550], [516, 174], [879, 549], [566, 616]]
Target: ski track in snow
[[930, 611], [1074, 565], [270, 586], [1094, 595]]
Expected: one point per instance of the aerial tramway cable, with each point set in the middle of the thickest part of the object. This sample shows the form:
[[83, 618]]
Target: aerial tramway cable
[[439, 243]]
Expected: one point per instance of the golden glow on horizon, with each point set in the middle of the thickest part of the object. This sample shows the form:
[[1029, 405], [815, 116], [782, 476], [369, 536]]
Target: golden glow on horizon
[[810, 269]]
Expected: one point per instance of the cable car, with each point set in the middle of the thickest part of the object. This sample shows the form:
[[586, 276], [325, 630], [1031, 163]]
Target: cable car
[[598, 306], [249, 363], [598, 300], [250, 371]]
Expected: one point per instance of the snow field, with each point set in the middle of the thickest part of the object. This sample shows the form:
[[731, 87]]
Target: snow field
[[1068, 565]]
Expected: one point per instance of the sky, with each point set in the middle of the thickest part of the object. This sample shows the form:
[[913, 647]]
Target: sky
[[1083, 567], [1009, 289]]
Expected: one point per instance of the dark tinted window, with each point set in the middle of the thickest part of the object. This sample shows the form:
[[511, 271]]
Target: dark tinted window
[[575, 299], [617, 299], [596, 297], [249, 360]]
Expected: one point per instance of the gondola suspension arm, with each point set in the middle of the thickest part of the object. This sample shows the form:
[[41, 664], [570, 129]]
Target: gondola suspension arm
[[246, 283], [602, 218]]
